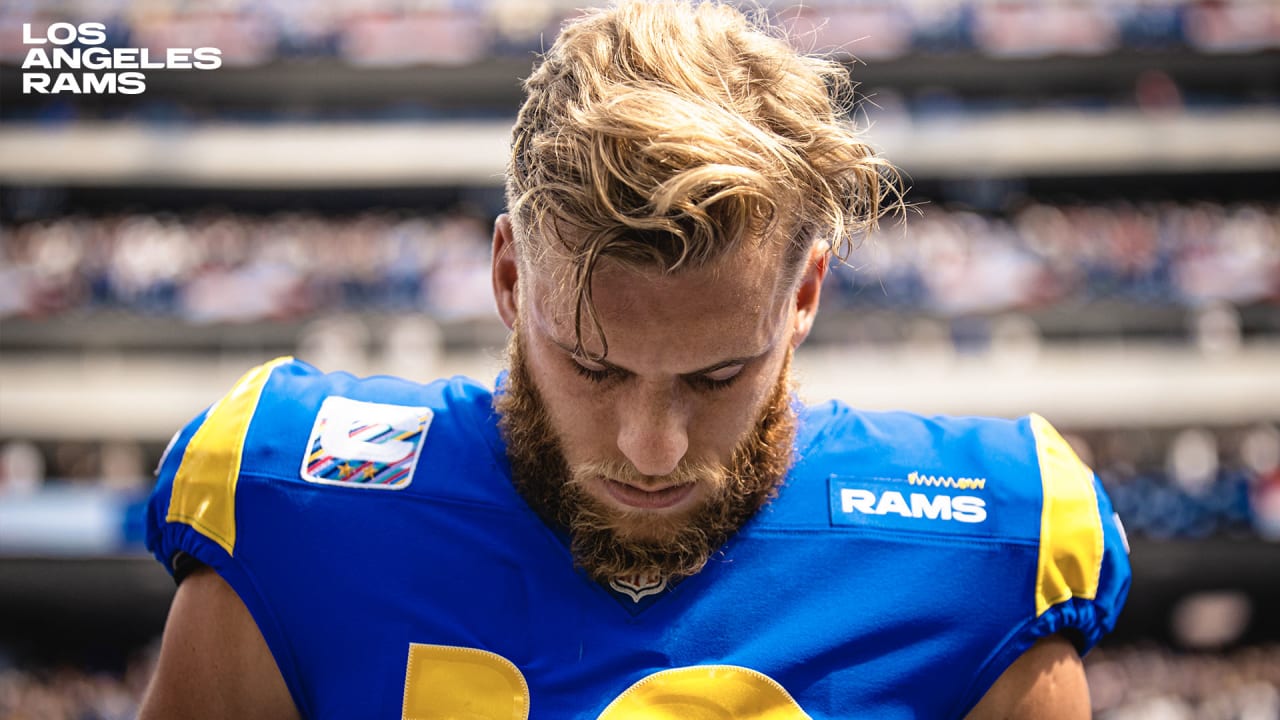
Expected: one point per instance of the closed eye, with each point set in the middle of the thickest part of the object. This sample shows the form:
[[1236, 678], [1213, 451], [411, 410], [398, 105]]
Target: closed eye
[[717, 379], [596, 376]]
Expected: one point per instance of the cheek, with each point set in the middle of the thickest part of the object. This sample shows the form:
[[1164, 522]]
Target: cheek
[[725, 419], [579, 412], [757, 391], [720, 421]]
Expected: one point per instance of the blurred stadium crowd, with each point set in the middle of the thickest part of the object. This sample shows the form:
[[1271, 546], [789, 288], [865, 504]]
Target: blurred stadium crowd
[[401, 32], [222, 266], [74, 693], [1192, 483], [1150, 683], [228, 267], [390, 34]]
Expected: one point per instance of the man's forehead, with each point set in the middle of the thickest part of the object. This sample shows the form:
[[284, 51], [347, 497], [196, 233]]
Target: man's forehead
[[724, 307]]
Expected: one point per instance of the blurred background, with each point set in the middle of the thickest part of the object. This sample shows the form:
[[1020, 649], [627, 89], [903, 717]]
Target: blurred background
[[1097, 238]]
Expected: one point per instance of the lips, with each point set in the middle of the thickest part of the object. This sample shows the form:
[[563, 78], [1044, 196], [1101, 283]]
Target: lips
[[634, 497]]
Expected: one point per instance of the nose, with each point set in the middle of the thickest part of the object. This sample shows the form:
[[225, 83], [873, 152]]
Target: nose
[[653, 432]]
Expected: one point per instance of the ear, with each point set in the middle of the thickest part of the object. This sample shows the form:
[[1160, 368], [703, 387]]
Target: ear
[[808, 293], [506, 270]]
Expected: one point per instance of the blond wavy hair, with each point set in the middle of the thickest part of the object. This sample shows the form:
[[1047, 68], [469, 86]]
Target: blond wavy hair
[[663, 134]]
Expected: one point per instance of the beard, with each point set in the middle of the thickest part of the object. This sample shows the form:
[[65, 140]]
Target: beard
[[610, 543]]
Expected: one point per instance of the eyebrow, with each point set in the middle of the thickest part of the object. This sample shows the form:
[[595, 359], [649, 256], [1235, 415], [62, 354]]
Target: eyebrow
[[742, 360]]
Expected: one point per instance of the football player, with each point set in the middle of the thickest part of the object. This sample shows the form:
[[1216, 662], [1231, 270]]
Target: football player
[[640, 519]]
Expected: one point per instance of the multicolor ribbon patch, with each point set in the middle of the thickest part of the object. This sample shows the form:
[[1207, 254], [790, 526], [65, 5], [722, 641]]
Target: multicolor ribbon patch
[[365, 444]]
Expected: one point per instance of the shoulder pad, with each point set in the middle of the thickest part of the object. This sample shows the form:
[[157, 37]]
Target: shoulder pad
[[1079, 534], [202, 465], [286, 423], [937, 476]]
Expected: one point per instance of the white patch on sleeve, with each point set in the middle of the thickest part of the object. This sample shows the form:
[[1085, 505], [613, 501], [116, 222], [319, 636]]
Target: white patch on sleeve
[[355, 443]]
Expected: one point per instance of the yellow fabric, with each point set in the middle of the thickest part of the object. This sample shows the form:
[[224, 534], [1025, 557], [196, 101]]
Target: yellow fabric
[[1070, 527], [204, 489], [457, 683], [705, 692]]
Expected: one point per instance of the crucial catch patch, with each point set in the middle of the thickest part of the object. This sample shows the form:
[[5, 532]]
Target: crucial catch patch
[[365, 444]]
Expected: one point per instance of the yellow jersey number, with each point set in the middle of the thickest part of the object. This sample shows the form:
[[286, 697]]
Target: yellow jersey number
[[461, 683]]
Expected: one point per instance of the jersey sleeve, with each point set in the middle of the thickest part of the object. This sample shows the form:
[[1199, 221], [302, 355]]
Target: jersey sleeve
[[293, 486], [192, 510], [1083, 573]]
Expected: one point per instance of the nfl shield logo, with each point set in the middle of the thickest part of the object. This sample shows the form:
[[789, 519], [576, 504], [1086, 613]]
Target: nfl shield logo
[[639, 585], [365, 444]]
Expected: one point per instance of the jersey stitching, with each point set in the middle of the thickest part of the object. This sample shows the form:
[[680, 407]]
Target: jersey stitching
[[293, 482], [909, 535]]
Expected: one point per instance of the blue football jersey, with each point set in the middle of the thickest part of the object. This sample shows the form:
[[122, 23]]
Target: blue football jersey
[[371, 528]]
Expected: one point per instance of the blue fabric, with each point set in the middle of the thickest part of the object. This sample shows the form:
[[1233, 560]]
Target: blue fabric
[[905, 614]]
